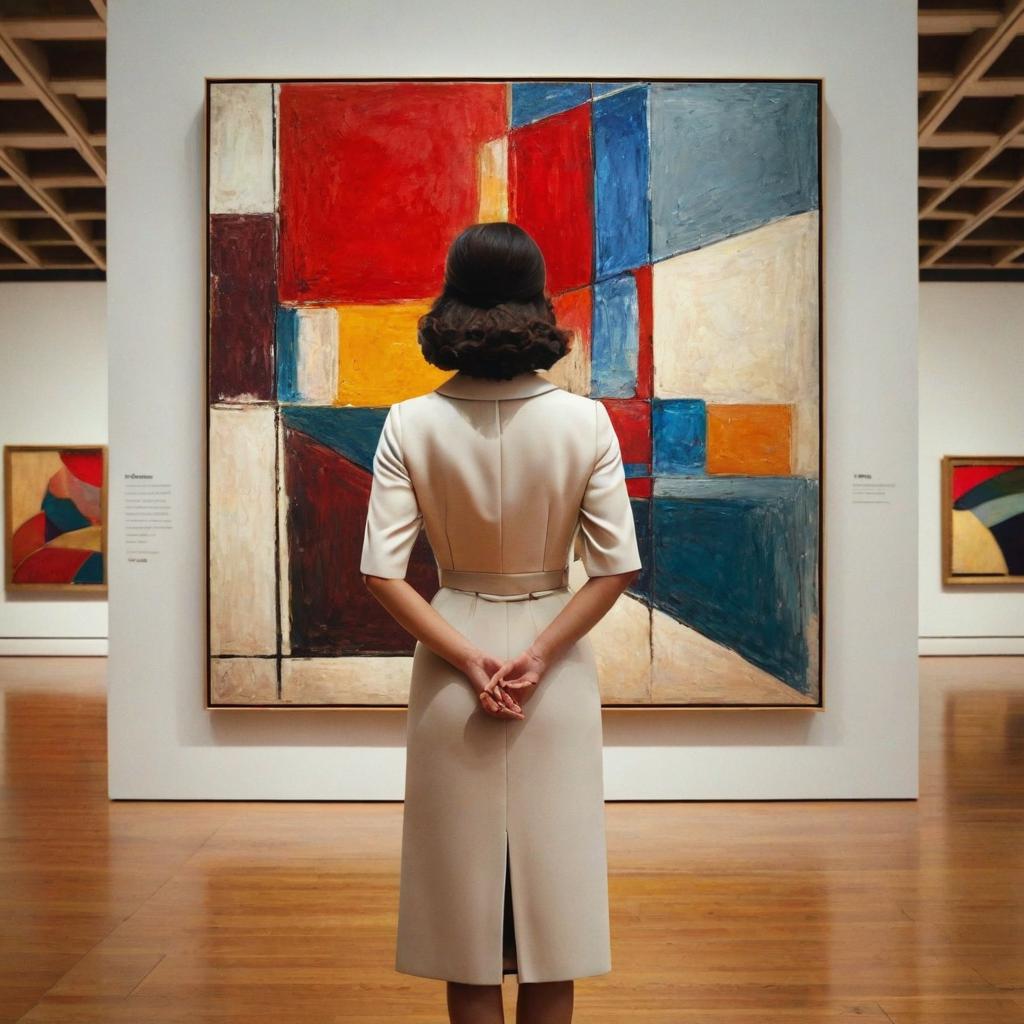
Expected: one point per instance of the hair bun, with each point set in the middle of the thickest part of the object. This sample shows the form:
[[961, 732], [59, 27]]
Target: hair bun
[[493, 318]]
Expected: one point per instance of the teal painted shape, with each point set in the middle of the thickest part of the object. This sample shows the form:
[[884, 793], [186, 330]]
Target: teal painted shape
[[998, 510], [352, 431]]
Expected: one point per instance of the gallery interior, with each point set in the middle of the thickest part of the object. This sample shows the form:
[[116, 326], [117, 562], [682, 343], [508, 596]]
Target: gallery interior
[[787, 241]]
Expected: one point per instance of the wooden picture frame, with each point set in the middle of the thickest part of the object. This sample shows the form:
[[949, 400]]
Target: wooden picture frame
[[974, 530], [11, 584], [254, 660]]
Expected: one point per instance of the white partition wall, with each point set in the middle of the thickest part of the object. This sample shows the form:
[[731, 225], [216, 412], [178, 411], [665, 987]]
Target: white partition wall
[[163, 743], [53, 390], [972, 403]]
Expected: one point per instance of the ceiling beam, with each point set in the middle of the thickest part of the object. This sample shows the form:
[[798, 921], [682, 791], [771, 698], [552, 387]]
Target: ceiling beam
[[1005, 257], [9, 237], [980, 51], [55, 28], [957, 22], [83, 88], [100, 7], [1000, 85], [13, 165]]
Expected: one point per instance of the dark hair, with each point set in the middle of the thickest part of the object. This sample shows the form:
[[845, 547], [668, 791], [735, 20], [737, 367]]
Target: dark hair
[[493, 318]]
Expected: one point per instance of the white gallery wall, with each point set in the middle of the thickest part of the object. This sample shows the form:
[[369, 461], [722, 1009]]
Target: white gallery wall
[[163, 743], [53, 390], [971, 403]]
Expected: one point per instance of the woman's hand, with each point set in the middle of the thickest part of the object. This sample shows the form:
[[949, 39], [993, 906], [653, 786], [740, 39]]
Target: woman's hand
[[521, 674], [479, 669]]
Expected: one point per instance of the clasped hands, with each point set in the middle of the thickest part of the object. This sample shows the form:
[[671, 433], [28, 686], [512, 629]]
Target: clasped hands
[[504, 686]]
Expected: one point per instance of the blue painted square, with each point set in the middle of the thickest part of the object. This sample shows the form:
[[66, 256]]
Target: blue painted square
[[622, 236], [615, 341], [728, 157], [533, 100], [679, 436], [286, 342]]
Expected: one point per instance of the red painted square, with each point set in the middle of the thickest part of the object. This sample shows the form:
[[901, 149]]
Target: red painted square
[[638, 486], [631, 418], [550, 184], [376, 180]]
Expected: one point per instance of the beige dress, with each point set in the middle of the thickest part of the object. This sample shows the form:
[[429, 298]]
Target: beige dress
[[504, 864]]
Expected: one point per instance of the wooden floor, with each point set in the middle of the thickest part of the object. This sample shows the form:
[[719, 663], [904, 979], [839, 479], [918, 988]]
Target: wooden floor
[[776, 913]]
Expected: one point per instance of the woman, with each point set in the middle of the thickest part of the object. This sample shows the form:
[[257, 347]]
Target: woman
[[504, 865]]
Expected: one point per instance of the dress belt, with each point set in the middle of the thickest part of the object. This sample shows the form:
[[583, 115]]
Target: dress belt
[[505, 586]]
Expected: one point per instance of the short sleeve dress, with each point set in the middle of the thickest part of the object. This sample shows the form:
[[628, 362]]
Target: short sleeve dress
[[503, 862]]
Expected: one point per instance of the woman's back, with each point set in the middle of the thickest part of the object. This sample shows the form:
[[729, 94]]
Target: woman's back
[[501, 472]]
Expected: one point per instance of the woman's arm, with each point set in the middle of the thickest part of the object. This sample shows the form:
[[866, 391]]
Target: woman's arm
[[423, 621], [584, 610], [427, 625]]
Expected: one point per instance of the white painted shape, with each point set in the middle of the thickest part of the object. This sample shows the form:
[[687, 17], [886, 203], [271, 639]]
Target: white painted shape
[[242, 522], [241, 148], [691, 668], [316, 369]]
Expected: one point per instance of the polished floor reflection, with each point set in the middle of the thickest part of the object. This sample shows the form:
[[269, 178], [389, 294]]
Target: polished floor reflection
[[899, 912]]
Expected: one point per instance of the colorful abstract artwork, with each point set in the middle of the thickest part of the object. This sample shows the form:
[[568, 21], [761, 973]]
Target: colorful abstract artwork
[[681, 225], [56, 517], [983, 519]]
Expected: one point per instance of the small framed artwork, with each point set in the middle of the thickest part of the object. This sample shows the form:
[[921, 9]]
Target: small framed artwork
[[983, 519], [55, 501]]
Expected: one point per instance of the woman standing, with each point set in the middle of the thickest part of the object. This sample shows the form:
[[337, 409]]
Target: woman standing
[[504, 865]]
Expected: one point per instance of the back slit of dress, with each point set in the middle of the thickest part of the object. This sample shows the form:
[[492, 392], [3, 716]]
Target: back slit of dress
[[508, 937]]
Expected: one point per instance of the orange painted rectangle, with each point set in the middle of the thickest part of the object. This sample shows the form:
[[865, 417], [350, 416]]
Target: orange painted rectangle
[[749, 440]]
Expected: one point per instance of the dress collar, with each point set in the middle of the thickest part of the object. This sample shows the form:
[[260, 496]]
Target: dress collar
[[522, 385]]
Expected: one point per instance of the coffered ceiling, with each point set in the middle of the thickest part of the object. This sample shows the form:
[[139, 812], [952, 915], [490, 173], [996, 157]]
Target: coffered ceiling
[[53, 138], [53, 168], [971, 136]]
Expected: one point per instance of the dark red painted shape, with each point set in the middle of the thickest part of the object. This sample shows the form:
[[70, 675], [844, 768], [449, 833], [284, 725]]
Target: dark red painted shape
[[332, 612], [376, 180], [243, 295], [550, 175]]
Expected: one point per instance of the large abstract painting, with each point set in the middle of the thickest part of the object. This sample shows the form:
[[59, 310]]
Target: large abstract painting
[[681, 224], [983, 519], [55, 517]]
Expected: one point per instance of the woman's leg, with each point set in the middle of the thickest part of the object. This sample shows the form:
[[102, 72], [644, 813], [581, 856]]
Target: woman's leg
[[545, 1002], [475, 1004]]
